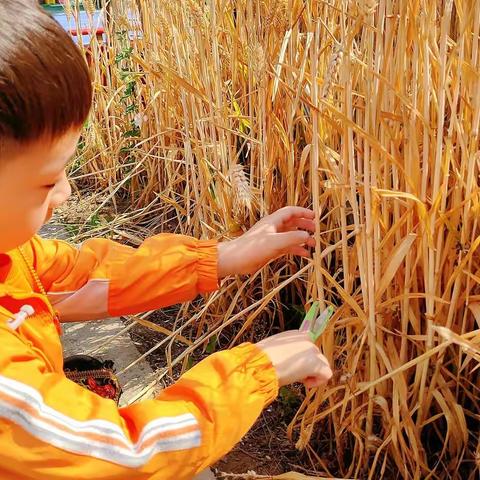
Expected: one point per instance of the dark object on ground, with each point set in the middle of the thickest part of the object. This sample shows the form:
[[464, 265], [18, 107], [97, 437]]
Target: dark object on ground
[[96, 375]]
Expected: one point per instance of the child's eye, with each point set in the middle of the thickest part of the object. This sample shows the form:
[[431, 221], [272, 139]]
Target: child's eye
[[49, 187]]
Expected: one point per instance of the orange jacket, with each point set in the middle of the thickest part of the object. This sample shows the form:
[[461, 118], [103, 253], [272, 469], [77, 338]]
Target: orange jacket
[[52, 428]]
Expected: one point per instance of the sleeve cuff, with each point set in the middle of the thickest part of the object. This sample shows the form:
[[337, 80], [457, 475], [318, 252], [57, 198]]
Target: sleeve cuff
[[261, 369], [207, 267]]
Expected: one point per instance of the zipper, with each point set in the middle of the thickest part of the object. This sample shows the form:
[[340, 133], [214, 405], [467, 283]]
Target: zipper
[[41, 289]]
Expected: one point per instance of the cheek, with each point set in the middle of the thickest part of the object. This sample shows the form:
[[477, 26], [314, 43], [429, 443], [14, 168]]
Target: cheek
[[34, 218], [21, 220], [60, 194]]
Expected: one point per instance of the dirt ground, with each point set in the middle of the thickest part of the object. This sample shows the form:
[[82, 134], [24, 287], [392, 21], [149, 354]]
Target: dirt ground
[[265, 449]]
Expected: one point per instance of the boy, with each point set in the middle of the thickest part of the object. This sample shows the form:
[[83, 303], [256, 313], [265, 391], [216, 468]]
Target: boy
[[52, 428]]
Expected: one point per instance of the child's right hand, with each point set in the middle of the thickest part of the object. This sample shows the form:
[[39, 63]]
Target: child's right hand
[[296, 359]]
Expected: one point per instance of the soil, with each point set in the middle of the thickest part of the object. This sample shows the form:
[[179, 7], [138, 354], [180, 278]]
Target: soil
[[266, 450]]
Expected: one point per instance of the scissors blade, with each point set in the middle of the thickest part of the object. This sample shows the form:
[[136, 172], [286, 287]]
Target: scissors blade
[[321, 323], [309, 317]]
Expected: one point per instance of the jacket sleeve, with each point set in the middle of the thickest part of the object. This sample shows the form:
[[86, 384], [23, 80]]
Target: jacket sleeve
[[102, 278], [51, 428]]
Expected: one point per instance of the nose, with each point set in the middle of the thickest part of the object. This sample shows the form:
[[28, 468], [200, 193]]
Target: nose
[[61, 192]]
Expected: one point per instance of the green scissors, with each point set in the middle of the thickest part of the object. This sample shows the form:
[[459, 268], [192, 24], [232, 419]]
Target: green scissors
[[316, 325]]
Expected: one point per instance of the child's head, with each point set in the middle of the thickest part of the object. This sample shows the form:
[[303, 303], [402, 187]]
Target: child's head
[[45, 97]]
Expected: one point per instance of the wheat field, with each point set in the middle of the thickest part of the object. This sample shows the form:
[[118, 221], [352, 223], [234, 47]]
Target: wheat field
[[210, 114]]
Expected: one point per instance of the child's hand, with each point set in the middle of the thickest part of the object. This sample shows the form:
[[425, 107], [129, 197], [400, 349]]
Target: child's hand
[[275, 235], [296, 359]]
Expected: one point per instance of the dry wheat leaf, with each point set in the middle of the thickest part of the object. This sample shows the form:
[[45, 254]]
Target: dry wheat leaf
[[469, 347], [396, 259], [475, 309]]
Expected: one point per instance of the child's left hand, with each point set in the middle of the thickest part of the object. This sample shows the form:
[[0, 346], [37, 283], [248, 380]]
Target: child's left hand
[[283, 232]]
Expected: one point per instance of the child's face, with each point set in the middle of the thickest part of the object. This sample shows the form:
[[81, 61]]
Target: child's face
[[33, 182]]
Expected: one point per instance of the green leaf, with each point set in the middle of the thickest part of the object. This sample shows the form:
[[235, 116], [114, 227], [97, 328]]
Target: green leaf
[[189, 364], [212, 343]]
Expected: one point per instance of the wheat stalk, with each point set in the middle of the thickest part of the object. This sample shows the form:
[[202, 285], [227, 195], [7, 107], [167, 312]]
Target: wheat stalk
[[332, 71], [67, 6], [242, 194], [367, 7], [383, 143], [89, 6], [257, 60]]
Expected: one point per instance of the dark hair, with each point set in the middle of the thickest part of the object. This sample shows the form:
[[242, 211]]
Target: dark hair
[[45, 87]]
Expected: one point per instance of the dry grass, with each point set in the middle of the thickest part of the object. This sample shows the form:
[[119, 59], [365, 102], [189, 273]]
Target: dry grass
[[215, 113]]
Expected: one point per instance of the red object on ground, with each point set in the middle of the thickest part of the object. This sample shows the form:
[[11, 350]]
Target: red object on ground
[[105, 391]]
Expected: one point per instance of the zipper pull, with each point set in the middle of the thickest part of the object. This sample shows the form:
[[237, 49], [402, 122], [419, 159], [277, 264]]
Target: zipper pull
[[25, 312]]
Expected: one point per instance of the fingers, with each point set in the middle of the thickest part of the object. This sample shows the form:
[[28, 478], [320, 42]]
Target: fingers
[[323, 370], [285, 214], [312, 382], [321, 374], [311, 242], [301, 223], [299, 251], [286, 240]]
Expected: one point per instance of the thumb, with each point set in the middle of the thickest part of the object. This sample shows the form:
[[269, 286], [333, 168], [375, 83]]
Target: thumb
[[287, 240], [312, 382]]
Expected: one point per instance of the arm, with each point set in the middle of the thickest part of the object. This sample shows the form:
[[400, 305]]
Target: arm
[[103, 278], [51, 428]]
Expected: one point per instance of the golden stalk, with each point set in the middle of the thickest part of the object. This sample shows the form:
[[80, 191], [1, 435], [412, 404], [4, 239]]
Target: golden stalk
[[366, 111]]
